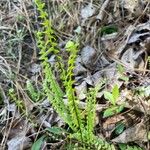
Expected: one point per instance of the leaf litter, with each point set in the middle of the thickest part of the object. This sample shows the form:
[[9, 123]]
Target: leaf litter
[[111, 33]]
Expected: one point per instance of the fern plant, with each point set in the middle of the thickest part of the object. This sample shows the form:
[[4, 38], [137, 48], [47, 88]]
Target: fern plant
[[75, 112], [83, 129], [19, 103], [33, 93]]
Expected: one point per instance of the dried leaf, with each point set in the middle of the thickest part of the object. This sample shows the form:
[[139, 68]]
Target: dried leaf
[[136, 37], [19, 142], [132, 134], [81, 90], [89, 57], [130, 5], [87, 11], [35, 68]]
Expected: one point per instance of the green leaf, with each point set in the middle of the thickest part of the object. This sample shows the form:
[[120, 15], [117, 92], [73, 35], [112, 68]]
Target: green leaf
[[120, 108], [111, 111], [122, 146], [124, 78], [119, 128], [109, 96], [108, 112], [69, 44], [108, 29], [37, 144], [56, 130], [149, 135], [120, 68], [115, 92]]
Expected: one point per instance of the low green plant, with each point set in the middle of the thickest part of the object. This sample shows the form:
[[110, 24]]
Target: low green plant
[[33, 93], [21, 106], [121, 71], [112, 97], [142, 91], [37, 145], [108, 29], [19, 103], [14, 40], [82, 128], [128, 147]]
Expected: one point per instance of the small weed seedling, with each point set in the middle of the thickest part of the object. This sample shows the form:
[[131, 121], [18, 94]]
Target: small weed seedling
[[33, 93], [121, 71], [112, 97]]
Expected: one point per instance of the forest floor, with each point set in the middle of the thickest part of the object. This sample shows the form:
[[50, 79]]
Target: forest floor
[[114, 43]]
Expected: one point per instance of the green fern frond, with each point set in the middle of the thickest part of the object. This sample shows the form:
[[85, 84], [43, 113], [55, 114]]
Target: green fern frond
[[47, 45], [90, 109], [73, 101], [128, 147], [102, 144], [33, 93], [19, 103]]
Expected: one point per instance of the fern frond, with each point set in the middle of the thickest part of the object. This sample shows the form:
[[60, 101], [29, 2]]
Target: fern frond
[[33, 93], [47, 44], [90, 109], [91, 104], [102, 144], [72, 48]]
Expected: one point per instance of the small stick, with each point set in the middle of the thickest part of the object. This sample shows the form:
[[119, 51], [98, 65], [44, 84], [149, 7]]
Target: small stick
[[100, 16]]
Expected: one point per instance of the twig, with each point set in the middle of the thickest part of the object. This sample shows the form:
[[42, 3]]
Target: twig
[[100, 16], [82, 105]]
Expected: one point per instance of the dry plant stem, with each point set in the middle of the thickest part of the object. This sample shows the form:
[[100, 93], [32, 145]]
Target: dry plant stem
[[4, 96], [7, 120], [83, 105], [27, 102], [5, 64], [5, 28], [20, 57], [146, 63], [39, 129], [29, 28], [126, 66], [7, 130], [100, 16], [147, 7], [128, 33]]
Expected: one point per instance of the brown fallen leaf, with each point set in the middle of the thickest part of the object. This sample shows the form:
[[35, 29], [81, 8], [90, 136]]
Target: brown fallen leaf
[[89, 57], [128, 119], [19, 142], [133, 58], [81, 90], [137, 133]]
